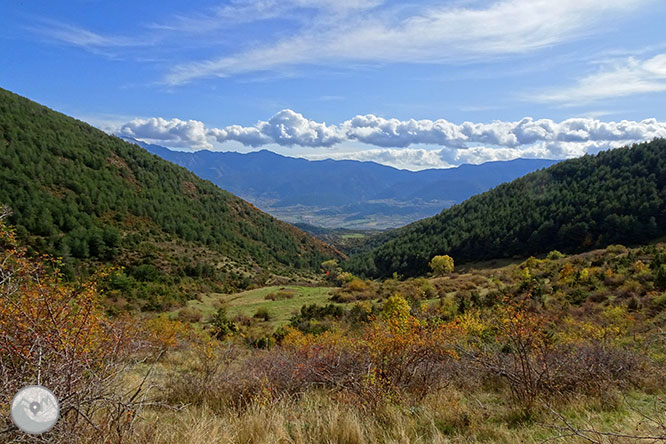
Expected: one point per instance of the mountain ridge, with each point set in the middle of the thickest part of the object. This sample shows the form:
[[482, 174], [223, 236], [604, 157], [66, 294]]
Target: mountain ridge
[[344, 193]]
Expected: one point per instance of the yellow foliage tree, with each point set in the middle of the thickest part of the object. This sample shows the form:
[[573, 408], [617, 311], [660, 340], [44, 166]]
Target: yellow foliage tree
[[397, 308], [441, 265]]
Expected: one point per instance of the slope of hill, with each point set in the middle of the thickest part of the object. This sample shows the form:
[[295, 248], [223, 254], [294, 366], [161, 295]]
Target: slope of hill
[[617, 196], [344, 193], [79, 193]]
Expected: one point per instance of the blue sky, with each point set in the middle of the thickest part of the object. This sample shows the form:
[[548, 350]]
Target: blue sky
[[414, 85]]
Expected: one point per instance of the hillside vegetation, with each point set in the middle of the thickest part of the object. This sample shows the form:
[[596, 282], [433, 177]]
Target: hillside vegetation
[[90, 198], [617, 196]]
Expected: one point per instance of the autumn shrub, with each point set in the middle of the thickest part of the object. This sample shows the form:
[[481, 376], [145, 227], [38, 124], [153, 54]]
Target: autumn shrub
[[354, 290], [189, 314], [630, 289], [356, 285], [538, 356], [598, 296], [221, 326], [613, 280], [317, 318], [491, 298], [233, 378], [392, 357], [417, 289], [283, 294], [445, 286], [616, 249], [441, 265], [577, 296], [343, 297], [164, 333], [263, 314], [55, 334], [280, 295], [554, 255], [388, 288], [395, 354], [361, 313], [241, 319]]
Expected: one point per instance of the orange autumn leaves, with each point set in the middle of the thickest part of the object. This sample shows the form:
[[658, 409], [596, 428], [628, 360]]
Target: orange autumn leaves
[[55, 333], [403, 353], [395, 355], [51, 327], [47, 326]]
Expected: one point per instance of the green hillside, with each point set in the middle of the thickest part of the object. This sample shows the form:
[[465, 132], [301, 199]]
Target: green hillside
[[617, 196], [92, 198]]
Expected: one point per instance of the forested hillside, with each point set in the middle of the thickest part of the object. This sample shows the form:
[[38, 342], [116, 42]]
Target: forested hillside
[[617, 196], [88, 197]]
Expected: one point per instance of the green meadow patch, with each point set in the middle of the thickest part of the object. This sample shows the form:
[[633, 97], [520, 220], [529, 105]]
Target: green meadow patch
[[281, 302]]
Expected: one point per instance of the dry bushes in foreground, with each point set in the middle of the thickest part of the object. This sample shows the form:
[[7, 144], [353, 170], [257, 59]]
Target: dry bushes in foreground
[[398, 357], [55, 334], [539, 356], [514, 349]]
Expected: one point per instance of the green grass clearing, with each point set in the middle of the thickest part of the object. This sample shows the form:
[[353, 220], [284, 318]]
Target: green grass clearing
[[353, 236], [248, 302]]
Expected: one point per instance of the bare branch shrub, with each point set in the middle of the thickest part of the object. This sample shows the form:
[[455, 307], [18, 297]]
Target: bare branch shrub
[[55, 334]]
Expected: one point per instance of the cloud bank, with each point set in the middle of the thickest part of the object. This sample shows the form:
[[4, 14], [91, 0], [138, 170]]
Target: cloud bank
[[178, 133], [410, 143], [288, 128]]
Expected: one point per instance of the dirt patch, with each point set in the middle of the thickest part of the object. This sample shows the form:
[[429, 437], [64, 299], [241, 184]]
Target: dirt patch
[[125, 171], [189, 189]]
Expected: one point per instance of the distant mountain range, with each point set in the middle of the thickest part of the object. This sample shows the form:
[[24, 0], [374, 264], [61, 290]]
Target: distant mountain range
[[344, 193]]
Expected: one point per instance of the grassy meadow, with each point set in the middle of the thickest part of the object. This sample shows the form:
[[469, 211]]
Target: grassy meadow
[[280, 302]]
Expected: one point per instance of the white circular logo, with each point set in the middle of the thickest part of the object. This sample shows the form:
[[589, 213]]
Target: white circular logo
[[35, 409]]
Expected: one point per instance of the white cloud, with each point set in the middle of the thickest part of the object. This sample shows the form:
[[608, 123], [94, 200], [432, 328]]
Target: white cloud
[[616, 79], [407, 158], [247, 11], [288, 128], [425, 34], [175, 132], [411, 144]]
